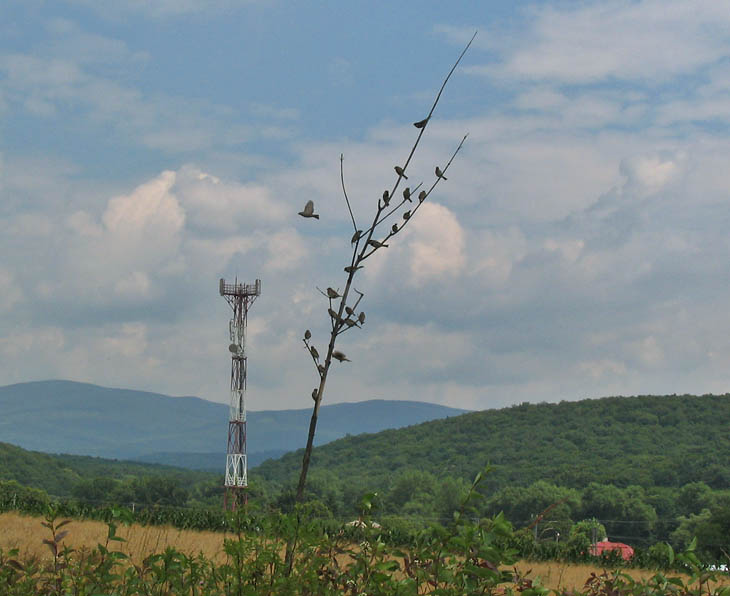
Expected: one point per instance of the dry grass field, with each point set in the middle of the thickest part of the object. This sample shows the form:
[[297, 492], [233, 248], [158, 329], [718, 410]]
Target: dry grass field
[[26, 534]]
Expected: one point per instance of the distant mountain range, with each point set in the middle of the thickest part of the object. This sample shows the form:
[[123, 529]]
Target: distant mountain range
[[85, 419]]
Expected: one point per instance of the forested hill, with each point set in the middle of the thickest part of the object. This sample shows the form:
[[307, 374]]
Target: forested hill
[[648, 441], [59, 474]]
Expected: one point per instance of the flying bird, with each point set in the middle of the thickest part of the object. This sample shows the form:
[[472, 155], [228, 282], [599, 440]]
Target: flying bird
[[400, 172], [422, 196], [440, 174], [309, 210], [314, 394], [337, 355], [315, 353], [332, 293], [407, 194], [407, 215], [356, 236], [377, 244], [307, 334], [351, 268], [361, 317], [421, 123]]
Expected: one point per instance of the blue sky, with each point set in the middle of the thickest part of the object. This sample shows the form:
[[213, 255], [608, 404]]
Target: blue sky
[[578, 249]]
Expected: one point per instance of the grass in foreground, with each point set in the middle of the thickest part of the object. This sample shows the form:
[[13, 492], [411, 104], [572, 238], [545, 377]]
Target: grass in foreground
[[87, 557]]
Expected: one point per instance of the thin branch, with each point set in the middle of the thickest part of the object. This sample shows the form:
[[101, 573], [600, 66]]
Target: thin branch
[[435, 103], [446, 80], [347, 200]]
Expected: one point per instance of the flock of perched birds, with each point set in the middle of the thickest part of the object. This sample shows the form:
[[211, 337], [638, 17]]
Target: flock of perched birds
[[332, 294]]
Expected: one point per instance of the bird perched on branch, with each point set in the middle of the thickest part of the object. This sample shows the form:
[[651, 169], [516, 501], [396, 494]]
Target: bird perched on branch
[[356, 236], [314, 352], [421, 123], [422, 196], [333, 314], [407, 215], [400, 172], [351, 268], [394, 228], [337, 355], [331, 293], [349, 311], [377, 244], [386, 198], [321, 368], [308, 210], [361, 317], [314, 394], [407, 194], [307, 334], [440, 174]]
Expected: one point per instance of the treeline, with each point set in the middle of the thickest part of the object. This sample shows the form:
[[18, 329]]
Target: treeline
[[634, 515], [417, 500]]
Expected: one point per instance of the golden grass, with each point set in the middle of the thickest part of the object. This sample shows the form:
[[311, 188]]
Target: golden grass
[[26, 534], [572, 576]]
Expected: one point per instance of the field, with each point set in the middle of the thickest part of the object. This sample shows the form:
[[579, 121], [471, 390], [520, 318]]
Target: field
[[26, 534]]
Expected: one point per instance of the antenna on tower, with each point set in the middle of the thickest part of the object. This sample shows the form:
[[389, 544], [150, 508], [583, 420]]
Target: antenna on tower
[[240, 297]]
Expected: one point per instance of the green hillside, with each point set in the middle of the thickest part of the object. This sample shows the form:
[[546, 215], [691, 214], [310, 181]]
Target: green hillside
[[60, 474], [646, 441], [649, 469]]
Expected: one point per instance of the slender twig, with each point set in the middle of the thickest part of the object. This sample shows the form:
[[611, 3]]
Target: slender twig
[[344, 192]]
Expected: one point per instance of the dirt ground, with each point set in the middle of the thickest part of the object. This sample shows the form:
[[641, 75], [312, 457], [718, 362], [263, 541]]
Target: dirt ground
[[26, 534]]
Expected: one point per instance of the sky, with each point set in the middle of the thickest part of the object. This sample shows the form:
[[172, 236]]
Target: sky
[[578, 249]]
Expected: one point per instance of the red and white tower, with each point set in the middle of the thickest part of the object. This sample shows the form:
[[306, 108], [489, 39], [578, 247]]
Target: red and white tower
[[240, 297]]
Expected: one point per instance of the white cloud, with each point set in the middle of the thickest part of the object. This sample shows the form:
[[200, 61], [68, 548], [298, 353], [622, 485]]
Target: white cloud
[[649, 174], [599, 41], [435, 245]]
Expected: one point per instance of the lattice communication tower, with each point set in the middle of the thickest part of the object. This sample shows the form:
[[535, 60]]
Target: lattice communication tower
[[240, 297]]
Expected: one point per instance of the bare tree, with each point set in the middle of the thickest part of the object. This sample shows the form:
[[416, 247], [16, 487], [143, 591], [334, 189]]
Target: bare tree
[[342, 308]]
